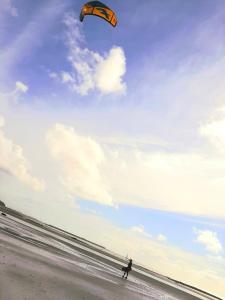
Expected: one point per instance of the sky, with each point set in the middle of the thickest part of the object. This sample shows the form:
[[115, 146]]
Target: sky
[[118, 134]]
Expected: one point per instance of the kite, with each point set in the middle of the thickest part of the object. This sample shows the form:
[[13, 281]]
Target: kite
[[98, 9]]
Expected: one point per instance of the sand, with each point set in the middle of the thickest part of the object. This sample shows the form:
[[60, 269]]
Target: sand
[[37, 263]]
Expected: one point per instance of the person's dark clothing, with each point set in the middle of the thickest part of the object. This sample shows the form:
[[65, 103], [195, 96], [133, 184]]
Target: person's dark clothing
[[127, 269], [129, 265]]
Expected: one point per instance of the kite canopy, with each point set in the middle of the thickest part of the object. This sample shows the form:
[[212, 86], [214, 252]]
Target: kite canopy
[[98, 9]]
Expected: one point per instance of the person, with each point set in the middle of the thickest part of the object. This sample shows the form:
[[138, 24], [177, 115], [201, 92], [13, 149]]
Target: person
[[127, 269]]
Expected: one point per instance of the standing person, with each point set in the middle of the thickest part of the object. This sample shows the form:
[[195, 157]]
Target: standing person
[[127, 269]]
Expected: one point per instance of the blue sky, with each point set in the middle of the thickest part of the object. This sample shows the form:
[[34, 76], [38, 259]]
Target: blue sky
[[156, 222], [120, 130]]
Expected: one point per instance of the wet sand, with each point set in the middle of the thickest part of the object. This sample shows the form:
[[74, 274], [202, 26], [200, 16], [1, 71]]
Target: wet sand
[[37, 263]]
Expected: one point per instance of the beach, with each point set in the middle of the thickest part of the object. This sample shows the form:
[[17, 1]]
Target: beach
[[42, 262]]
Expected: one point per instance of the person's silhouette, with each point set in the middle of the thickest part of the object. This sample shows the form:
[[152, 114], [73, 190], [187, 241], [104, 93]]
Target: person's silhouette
[[127, 269]]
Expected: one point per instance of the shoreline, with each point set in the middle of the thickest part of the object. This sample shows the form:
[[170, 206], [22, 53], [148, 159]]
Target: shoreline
[[102, 254]]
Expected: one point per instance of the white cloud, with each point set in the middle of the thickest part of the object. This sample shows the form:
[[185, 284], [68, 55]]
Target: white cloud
[[66, 77], [137, 178], [91, 70], [161, 238], [214, 130], [140, 230], [13, 162], [21, 87], [80, 159], [110, 71], [209, 239], [12, 96], [192, 183], [6, 5]]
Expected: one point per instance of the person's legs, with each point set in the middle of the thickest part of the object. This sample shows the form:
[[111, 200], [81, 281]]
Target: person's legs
[[127, 273], [124, 273]]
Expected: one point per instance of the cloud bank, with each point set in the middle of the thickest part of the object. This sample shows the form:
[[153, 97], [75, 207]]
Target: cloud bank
[[80, 159], [13, 161]]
